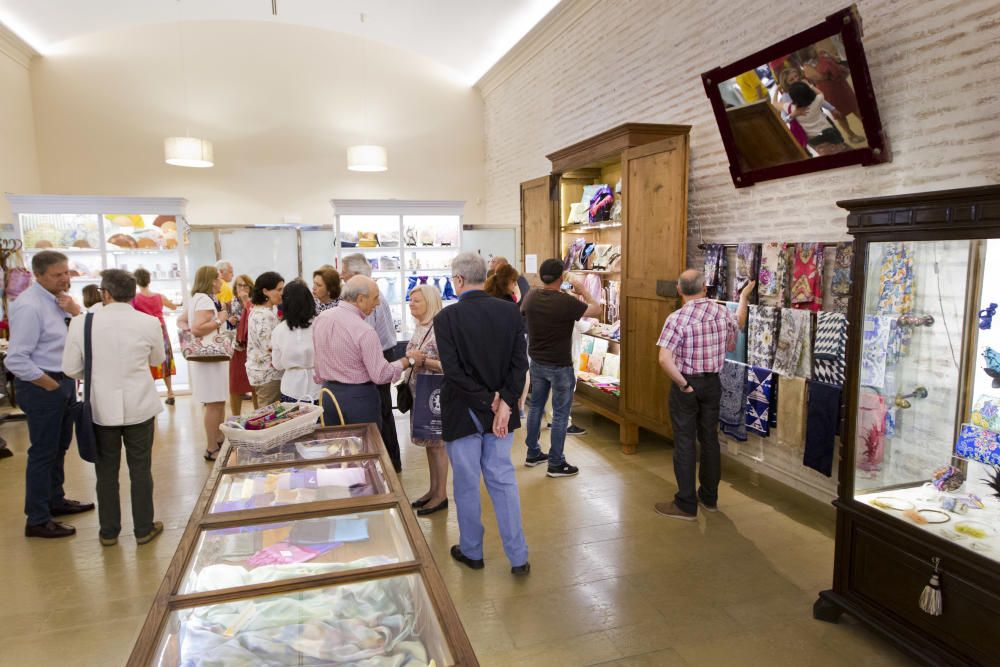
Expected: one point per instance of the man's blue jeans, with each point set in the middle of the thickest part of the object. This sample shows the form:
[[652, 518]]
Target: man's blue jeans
[[561, 380], [484, 453], [50, 429]]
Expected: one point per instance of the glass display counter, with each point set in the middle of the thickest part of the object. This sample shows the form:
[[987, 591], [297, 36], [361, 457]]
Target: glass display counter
[[341, 575]]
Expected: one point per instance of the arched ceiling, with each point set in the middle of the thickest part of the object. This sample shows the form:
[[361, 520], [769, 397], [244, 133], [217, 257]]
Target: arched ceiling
[[468, 36]]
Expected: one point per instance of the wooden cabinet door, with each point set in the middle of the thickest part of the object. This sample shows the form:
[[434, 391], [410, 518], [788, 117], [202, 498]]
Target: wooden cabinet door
[[539, 231], [654, 186]]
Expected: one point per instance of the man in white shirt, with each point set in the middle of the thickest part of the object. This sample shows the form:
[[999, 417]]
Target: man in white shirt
[[124, 345]]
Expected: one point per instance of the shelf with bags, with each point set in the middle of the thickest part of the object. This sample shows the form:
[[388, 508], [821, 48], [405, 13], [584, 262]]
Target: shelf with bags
[[584, 228]]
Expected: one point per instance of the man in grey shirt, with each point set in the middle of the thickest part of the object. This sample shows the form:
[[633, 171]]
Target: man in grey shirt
[[381, 321]]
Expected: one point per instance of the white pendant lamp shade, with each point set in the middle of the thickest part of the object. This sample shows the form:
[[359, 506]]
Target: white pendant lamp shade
[[188, 152], [367, 158]]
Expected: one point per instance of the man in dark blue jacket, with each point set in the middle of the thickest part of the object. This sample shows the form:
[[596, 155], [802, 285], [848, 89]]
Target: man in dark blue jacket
[[481, 344]]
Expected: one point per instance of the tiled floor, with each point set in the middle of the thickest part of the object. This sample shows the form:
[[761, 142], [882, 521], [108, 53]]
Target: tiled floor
[[611, 583]]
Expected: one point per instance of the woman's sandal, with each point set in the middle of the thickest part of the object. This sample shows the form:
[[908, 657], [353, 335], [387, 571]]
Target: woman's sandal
[[170, 400], [211, 456]]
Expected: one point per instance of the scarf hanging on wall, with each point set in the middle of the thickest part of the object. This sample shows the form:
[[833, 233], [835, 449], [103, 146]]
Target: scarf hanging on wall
[[740, 353], [830, 348], [896, 278], [716, 270], [759, 396], [875, 350], [733, 404], [772, 278], [870, 437], [807, 276], [841, 283], [791, 412], [747, 266], [822, 415], [762, 335], [792, 354]]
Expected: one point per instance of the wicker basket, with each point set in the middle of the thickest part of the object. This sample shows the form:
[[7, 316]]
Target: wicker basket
[[261, 441]]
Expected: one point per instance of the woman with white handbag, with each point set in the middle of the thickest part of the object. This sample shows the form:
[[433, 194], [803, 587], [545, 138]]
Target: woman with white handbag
[[209, 379]]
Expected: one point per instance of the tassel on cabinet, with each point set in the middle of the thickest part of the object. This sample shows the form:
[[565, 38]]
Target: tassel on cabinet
[[930, 599]]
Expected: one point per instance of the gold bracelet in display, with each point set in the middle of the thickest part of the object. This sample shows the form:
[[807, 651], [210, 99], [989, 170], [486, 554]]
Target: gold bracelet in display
[[890, 503], [924, 513]]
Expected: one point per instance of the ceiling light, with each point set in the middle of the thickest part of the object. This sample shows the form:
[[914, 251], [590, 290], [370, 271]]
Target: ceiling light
[[367, 158], [188, 152]]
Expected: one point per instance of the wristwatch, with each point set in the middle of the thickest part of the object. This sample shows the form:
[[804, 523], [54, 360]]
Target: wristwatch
[[411, 361]]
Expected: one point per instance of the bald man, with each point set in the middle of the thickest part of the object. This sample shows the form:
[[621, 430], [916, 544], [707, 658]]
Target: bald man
[[693, 347], [349, 361]]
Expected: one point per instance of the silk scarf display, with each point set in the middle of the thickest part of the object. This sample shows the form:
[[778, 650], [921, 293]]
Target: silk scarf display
[[822, 414], [841, 283], [875, 349], [762, 336], [791, 412], [732, 405], [747, 266], [807, 276], [830, 348], [716, 270], [978, 444], [759, 396], [870, 437], [772, 276], [740, 353], [792, 354], [896, 279]]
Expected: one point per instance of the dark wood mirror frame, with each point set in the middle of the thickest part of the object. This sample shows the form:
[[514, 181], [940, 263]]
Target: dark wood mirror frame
[[845, 23]]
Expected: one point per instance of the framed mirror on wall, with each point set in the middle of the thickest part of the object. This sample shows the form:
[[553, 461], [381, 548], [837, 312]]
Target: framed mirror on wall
[[804, 104]]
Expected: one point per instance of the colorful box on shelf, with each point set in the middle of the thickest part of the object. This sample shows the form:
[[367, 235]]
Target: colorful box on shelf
[[978, 444]]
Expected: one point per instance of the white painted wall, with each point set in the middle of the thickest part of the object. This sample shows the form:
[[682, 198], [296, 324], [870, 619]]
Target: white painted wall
[[18, 156], [932, 63], [280, 103]]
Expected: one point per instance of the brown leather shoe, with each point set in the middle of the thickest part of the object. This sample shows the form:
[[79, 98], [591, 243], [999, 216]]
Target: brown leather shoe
[[49, 529], [151, 535], [68, 506]]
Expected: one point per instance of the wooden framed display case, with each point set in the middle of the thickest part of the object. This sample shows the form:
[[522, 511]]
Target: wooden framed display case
[[922, 441], [306, 554], [639, 249]]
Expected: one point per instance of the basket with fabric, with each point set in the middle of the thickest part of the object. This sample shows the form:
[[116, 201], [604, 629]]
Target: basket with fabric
[[259, 442]]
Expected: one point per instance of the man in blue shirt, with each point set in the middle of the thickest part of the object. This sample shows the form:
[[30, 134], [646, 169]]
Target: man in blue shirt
[[39, 320]]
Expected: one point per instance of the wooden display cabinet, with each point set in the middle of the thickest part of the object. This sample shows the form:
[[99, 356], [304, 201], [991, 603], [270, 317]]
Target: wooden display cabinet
[[652, 163], [893, 525], [391, 561]]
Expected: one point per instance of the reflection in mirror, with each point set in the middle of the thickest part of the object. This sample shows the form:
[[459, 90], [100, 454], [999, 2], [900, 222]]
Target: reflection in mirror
[[796, 107]]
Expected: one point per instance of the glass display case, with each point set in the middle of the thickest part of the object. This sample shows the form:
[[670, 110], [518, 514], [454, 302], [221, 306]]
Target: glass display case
[[339, 578], [98, 233], [918, 510], [407, 243]]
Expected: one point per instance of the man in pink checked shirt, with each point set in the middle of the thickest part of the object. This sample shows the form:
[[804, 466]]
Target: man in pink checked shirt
[[349, 361], [693, 347]]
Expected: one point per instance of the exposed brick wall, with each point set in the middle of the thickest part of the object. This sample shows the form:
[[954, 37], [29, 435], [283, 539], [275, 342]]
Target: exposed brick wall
[[934, 69]]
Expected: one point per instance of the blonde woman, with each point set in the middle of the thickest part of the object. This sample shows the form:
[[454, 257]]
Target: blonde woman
[[209, 379], [425, 303]]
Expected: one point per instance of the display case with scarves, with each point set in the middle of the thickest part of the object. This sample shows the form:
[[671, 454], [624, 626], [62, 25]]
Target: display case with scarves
[[407, 243], [98, 233], [307, 553], [918, 504]]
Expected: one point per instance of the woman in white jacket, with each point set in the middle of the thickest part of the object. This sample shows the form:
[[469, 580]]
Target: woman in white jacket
[[292, 345]]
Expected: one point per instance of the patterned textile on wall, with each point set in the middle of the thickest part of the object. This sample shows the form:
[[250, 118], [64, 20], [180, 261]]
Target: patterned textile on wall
[[807, 276], [759, 398], [822, 415], [791, 412], [747, 266], [870, 437], [733, 405], [896, 296], [830, 348], [792, 355], [841, 283], [716, 270], [875, 350], [772, 278], [740, 353], [762, 335]]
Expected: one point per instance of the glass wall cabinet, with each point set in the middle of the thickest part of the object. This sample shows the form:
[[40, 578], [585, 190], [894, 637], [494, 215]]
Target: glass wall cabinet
[[305, 554], [920, 465], [98, 233]]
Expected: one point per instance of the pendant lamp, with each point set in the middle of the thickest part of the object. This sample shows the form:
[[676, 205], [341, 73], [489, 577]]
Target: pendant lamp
[[188, 152], [367, 158]]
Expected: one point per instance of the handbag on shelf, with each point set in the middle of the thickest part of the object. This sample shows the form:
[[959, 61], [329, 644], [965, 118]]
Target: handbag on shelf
[[86, 437], [217, 346], [578, 213]]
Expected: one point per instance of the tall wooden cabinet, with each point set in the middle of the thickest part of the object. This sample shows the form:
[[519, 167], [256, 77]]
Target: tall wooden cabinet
[[651, 162]]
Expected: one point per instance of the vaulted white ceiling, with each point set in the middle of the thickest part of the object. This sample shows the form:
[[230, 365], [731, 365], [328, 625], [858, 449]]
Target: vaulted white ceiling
[[468, 36]]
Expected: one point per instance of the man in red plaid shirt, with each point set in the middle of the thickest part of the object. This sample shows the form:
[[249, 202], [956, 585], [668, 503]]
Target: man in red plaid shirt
[[693, 346]]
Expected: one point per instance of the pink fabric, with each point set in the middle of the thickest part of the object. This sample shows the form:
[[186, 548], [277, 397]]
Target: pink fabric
[[348, 349], [699, 334], [281, 553], [151, 305]]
